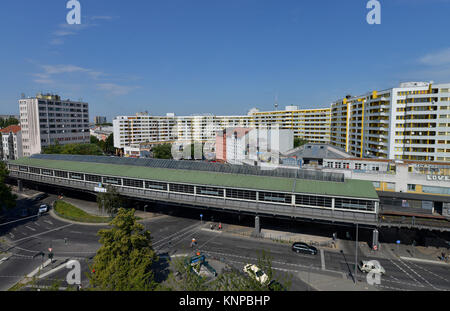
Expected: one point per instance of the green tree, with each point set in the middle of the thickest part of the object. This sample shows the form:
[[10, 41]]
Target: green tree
[[163, 151], [125, 259], [80, 149], [108, 146], [110, 200], [7, 122], [299, 142], [7, 198], [94, 140]]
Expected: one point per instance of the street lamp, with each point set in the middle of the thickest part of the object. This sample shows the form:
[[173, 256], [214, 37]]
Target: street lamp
[[356, 253]]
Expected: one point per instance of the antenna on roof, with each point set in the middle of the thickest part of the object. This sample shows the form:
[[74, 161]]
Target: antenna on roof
[[276, 102]]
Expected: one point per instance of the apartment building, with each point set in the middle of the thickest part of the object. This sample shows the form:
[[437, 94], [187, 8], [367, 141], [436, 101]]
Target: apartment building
[[310, 124], [47, 119], [410, 122], [11, 143], [143, 128], [99, 120]]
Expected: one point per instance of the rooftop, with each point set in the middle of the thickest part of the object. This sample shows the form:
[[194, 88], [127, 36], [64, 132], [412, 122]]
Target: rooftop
[[347, 188], [11, 128]]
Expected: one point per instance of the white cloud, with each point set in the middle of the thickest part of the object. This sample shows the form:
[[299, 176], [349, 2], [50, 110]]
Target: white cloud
[[116, 89], [437, 58]]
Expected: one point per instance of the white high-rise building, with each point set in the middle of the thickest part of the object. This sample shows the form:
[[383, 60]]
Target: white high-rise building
[[46, 119], [410, 122]]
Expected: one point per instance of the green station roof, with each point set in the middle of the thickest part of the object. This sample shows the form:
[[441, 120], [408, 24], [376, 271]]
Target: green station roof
[[348, 188]]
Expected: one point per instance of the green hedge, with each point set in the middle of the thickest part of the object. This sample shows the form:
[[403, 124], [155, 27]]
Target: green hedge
[[68, 211]]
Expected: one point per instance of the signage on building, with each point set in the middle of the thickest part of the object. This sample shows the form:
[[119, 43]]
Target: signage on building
[[98, 189], [438, 177]]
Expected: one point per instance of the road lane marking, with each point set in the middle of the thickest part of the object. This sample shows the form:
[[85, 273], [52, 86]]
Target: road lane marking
[[426, 281], [49, 222], [11, 235], [438, 276], [42, 233], [32, 229], [322, 259]]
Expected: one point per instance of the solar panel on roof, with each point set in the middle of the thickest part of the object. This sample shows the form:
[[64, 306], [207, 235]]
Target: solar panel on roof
[[197, 165]]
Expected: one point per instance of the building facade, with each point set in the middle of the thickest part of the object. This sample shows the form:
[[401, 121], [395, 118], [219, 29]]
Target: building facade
[[47, 119], [11, 143], [410, 122], [403, 184], [311, 124]]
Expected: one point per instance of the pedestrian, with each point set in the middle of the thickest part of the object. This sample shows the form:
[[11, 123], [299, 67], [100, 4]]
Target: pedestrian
[[211, 226], [220, 226]]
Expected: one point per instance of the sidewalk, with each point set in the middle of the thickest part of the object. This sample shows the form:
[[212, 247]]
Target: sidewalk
[[281, 236], [321, 282], [393, 251]]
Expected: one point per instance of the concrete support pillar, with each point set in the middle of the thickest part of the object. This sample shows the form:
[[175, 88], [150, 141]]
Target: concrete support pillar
[[375, 239], [257, 226], [19, 185]]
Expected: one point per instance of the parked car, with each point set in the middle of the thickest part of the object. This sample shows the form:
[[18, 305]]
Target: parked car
[[43, 208], [304, 248], [260, 276], [371, 266]]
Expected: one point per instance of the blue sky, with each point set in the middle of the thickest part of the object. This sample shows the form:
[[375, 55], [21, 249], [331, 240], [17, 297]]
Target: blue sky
[[221, 57]]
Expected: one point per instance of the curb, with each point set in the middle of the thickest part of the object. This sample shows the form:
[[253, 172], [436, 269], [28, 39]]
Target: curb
[[53, 214]]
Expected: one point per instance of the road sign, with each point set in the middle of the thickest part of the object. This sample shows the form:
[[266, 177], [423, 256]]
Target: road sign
[[50, 249], [398, 242], [375, 247]]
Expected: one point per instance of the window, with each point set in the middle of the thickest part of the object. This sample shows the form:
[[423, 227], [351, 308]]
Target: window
[[312, 200], [156, 185], [133, 183], [61, 174], [93, 178], [210, 191], [390, 185], [376, 184], [354, 204], [437, 190], [112, 180], [411, 187], [35, 170], [241, 194], [181, 188], [76, 176], [47, 172], [275, 197]]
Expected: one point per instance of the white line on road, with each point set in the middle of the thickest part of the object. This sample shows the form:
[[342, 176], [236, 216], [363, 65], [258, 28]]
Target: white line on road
[[32, 229], [45, 232], [322, 259], [49, 222], [33, 273], [53, 271], [11, 235]]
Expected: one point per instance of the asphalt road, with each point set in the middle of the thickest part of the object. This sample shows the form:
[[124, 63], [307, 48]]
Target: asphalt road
[[172, 235]]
